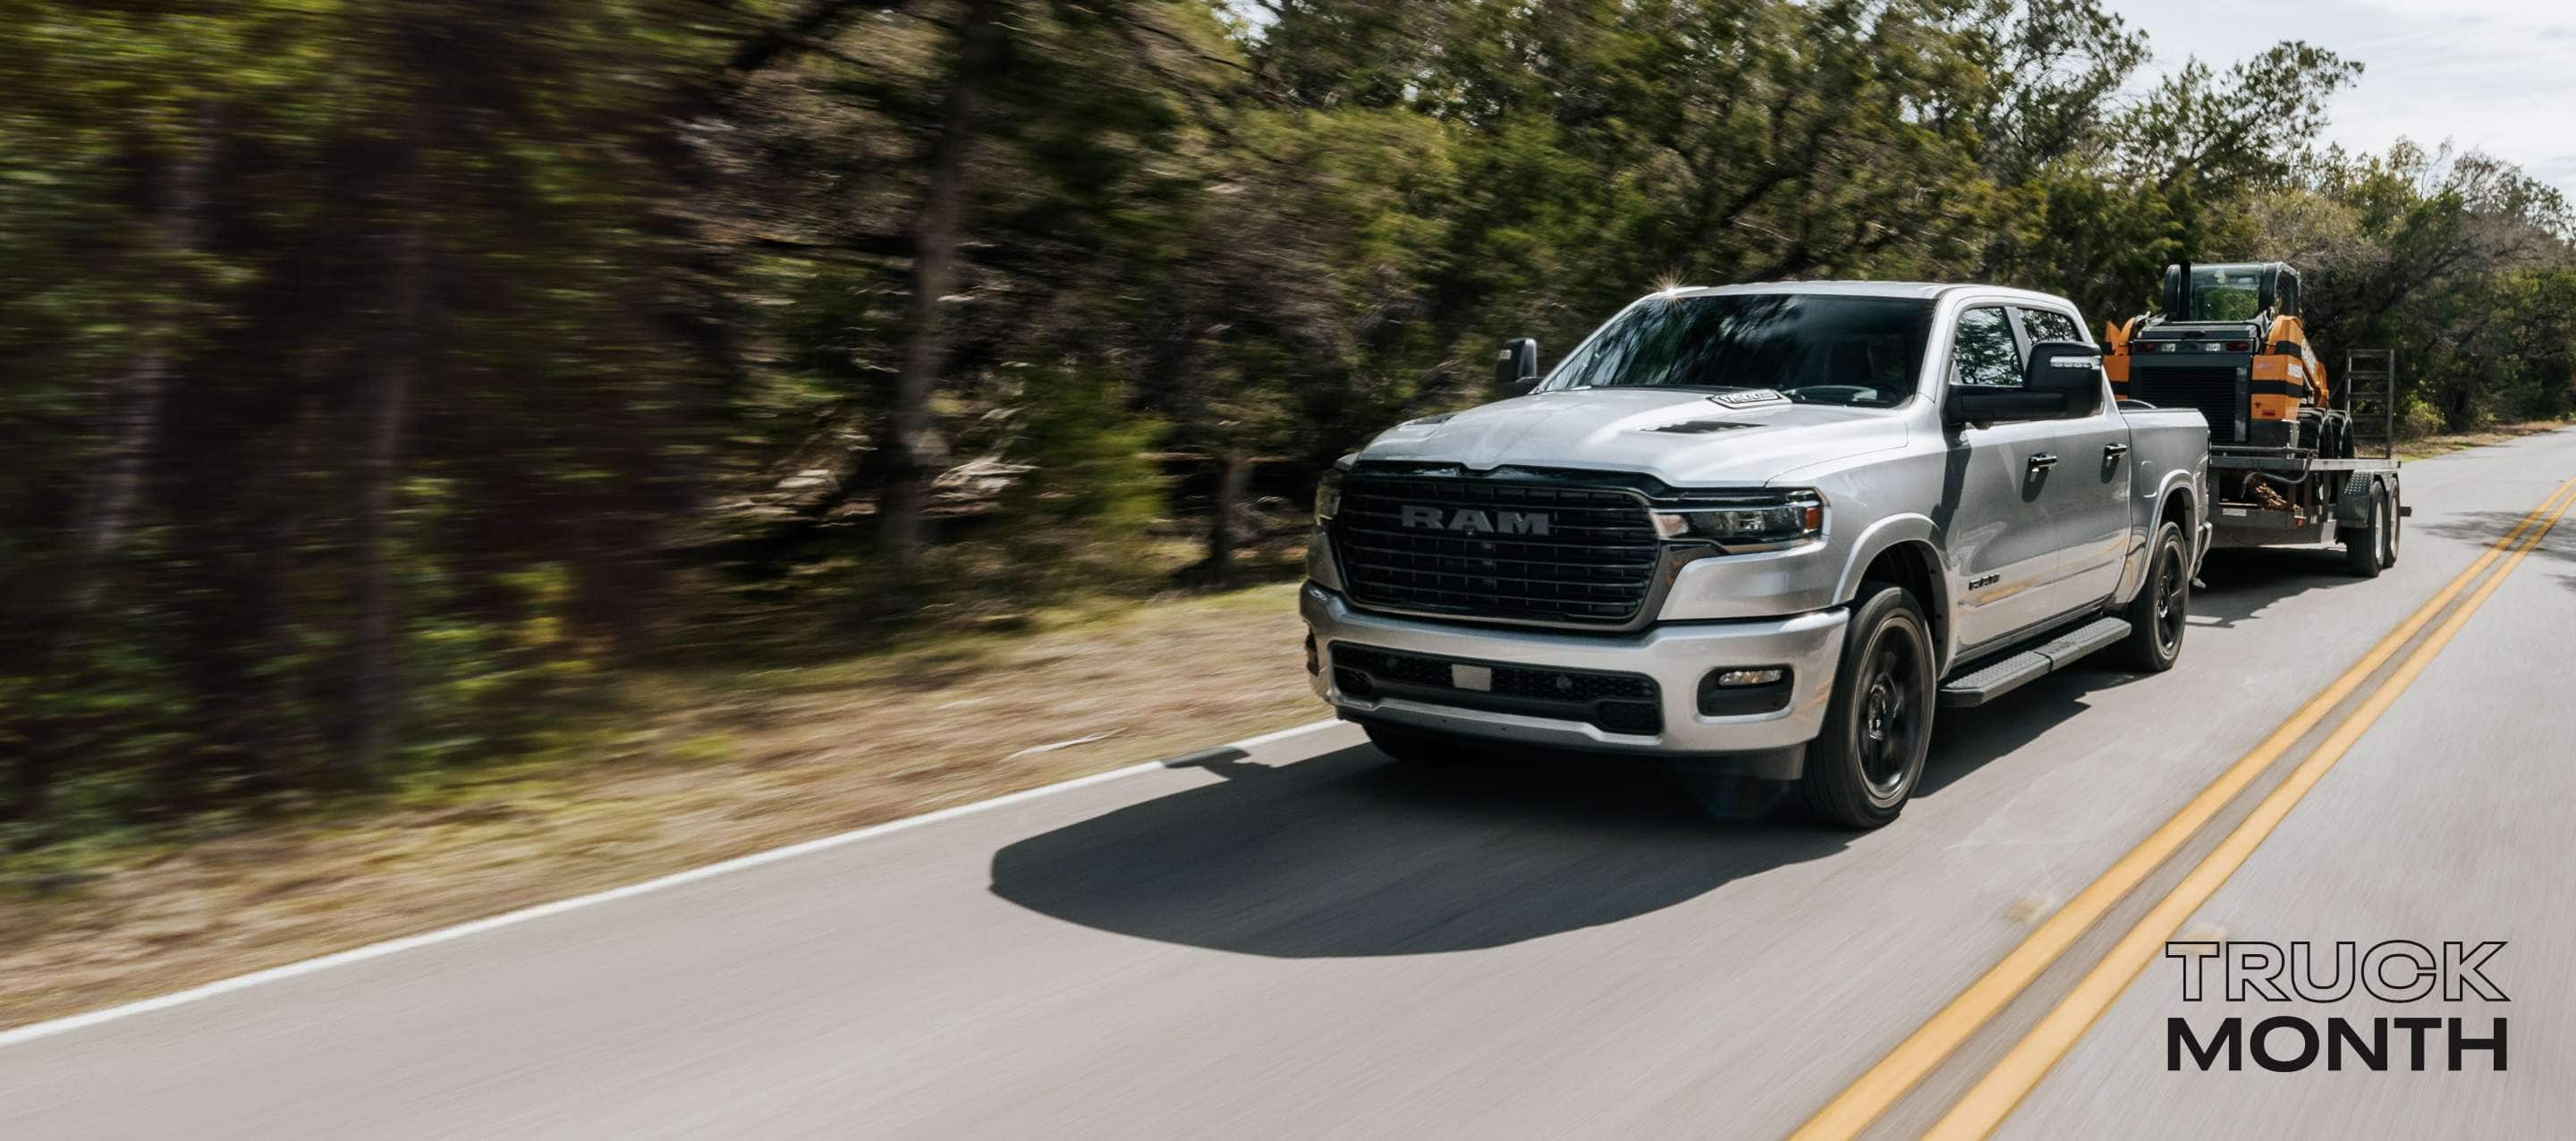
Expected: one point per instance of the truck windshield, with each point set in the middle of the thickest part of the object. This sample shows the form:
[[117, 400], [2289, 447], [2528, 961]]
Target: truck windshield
[[1815, 348]]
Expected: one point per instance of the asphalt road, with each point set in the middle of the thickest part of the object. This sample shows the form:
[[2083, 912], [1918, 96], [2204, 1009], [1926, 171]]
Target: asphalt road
[[1308, 939]]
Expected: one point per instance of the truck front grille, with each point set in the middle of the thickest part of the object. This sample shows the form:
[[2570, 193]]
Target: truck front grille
[[2211, 390], [1496, 549]]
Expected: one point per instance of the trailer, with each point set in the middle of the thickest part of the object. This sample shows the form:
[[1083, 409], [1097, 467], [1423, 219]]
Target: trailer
[[2294, 458], [2279, 497]]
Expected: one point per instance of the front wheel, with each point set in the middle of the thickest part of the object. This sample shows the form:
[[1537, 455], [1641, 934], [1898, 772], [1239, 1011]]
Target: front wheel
[[2156, 616], [1878, 726]]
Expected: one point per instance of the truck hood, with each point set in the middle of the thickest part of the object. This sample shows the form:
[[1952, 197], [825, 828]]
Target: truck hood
[[1684, 438]]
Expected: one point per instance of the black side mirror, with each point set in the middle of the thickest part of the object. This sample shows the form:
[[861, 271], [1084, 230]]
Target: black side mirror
[[1516, 370], [2063, 381], [2070, 372]]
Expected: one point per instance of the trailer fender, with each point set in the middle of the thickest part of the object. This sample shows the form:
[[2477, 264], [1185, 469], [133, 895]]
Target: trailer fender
[[2352, 506]]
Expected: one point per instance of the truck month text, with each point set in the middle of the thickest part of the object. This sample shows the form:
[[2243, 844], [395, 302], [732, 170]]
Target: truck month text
[[2400, 971]]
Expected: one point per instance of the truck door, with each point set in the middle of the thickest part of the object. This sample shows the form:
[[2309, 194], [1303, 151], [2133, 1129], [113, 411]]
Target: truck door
[[2002, 548], [2086, 494]]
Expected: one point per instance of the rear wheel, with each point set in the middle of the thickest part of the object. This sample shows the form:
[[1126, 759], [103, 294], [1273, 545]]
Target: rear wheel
[[2396, 521], [2156, 616], [2366, 550], [1418, 747], [1878, 725]]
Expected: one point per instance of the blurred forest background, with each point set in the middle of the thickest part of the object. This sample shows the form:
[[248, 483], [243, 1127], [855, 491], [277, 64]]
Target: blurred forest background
[[382, 374]]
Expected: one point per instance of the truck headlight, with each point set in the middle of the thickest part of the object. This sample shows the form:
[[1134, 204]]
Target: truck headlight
[[1753, 523], [1328, 495]]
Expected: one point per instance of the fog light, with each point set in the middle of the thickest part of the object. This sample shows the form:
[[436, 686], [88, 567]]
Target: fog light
[[1742, 692], [1314, 664]]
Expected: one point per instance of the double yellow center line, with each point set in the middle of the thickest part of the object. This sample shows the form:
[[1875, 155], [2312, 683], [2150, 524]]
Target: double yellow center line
[[1994, 1096]]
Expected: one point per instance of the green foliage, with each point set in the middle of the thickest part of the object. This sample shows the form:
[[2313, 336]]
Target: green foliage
[[1089, 458], [2461, 263]]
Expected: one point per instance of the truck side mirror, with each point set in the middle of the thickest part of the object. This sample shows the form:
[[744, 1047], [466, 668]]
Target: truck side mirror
[[2070, 373], [1516, 370], [2063, 381]]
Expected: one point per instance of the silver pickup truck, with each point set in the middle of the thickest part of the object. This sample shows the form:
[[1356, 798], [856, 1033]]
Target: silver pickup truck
[[1758, 532]]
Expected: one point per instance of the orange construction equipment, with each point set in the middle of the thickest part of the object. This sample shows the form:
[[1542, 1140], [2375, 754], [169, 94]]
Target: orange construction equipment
[[2229, 342]]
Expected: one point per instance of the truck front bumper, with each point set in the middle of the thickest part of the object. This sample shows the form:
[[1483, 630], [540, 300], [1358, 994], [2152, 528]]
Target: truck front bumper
[[1676, 657]]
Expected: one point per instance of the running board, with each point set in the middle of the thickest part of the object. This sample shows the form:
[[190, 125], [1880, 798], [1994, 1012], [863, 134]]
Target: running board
[[2012, 672]]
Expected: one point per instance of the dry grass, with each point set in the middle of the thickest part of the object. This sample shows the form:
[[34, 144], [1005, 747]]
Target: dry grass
[[720, 765], [2429, 446]]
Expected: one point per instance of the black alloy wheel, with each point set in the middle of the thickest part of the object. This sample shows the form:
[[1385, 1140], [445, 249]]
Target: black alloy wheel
[[1889, 728], [1865, 764], [2161, 613]]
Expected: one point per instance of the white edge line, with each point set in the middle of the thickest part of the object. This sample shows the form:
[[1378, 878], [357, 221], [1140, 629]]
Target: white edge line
[[33, 1031]]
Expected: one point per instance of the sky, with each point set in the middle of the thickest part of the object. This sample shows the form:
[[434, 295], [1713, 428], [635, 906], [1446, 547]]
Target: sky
[[2492, 75]]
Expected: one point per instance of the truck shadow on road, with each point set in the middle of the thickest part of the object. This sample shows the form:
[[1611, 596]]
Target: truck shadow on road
[[1348, 855]]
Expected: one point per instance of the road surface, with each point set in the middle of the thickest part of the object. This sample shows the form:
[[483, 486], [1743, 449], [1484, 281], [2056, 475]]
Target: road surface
[[1308, 939]]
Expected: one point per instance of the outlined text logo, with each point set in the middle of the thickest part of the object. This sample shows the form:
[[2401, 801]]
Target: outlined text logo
[[2396, 971]]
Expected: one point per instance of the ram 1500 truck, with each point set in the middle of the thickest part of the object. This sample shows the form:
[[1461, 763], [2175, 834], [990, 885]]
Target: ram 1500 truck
[[1758, 531]]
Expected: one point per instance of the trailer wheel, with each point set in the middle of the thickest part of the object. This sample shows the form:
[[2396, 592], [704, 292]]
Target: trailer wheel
[[2156, 616], [1878, 726], [2366, 551], [2396, 524]]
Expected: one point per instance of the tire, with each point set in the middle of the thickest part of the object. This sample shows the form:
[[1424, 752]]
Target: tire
[[1878, 726], [2338, 436], [2365, 550], [1418, 746], [2396, 524], [2157, 615]]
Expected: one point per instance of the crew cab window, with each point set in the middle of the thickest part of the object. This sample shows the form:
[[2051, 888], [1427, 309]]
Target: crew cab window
[[1983, 352], [2050, 325]]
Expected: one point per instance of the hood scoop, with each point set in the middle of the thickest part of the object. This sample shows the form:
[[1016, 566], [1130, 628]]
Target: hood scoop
[[1749, 397]]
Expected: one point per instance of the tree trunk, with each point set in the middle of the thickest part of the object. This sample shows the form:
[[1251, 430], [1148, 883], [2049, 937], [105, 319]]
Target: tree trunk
[[913, 450], [1233, 480], [134, 399], [376, 682], [130, 402]]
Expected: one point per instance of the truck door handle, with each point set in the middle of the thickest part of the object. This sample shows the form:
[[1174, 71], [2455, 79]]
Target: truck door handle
[[2112, 452], [2042, 461]]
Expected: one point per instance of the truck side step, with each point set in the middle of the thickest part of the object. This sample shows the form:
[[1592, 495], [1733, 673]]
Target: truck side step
[[2013, 671]]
